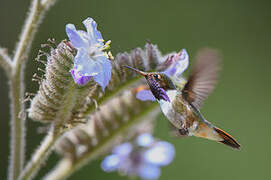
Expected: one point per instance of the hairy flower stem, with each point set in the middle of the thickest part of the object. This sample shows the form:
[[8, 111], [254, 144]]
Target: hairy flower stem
[[41, 153], [17, 126], [16, 83], [67, 166], [61, 170], [110, 95], [46, 146], [36, 14], [5, 61]]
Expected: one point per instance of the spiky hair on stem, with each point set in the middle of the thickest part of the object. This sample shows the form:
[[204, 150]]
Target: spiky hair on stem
[[58, 97]]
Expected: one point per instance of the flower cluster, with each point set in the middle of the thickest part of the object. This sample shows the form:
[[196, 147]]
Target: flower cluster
[[175, 65], [141, 158], [90, 61]]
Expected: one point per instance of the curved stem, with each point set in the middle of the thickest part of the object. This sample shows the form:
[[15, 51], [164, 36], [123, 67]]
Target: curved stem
[[41, 153], [62, 170], [5, 61], [54, 133], [106, 97], [36, 13]]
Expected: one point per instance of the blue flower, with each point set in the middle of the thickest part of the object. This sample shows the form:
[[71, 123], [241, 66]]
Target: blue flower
[[143, 93], [176, 64], [142, 158], [90, 61]]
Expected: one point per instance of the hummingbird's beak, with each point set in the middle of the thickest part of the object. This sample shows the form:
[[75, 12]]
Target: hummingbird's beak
[[136, 70]]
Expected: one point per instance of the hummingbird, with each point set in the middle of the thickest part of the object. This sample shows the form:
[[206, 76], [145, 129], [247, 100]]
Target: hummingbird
[[181, 102]]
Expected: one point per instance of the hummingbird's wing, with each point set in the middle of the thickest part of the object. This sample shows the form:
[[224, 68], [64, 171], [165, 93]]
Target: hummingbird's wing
[[203, 78]]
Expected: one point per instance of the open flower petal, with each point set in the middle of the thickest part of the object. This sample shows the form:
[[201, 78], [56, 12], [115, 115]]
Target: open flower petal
[[145, 140], [141, 158], [149, 171], [161, 154], [79, 79], [110, 163], [95, 36], [104, 67], [90, 60], [77, 40], [85, 65], [83, 34], [178, 64], [145, 95], [123, 149], [99, 68]]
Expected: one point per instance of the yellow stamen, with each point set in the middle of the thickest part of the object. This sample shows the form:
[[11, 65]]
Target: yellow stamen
[[107, 45], [110, 56]]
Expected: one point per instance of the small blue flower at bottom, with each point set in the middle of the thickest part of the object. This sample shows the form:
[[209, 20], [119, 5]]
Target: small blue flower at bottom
[[90, 61], [141, 158]]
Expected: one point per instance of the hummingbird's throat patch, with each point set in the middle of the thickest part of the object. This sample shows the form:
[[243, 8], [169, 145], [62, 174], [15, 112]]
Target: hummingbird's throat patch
[[158, 92]]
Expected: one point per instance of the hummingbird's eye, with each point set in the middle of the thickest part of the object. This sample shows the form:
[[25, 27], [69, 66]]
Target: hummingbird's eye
[[157, 77]]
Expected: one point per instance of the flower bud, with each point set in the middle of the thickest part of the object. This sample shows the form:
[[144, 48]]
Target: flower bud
[[59, 98]]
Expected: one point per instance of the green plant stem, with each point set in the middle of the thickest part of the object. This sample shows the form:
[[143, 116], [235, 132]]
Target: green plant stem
[[41, 153], [36, 14], [119, 89], [5, 61], [17, 127], [66, 166], [46, 146], [16, 84], [61, 170]]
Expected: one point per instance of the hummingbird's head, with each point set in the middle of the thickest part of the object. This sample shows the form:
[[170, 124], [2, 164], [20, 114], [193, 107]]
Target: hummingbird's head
[[158, 82]]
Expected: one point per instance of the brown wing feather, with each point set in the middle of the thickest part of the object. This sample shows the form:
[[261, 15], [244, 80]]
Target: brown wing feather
[[203, 78]]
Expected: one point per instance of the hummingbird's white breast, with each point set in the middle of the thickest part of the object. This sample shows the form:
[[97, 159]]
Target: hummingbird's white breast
[[167, 108]]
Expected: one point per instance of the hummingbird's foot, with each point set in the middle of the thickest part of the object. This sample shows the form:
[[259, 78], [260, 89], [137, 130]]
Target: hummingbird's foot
[[183, 131]]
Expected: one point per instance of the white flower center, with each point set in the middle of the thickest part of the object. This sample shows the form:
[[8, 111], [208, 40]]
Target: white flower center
[[97, 50]]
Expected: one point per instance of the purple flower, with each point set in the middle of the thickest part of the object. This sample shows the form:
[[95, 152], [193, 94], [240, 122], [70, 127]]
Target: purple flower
[[142, 158], [176, 64], [90, 61], [145, 95]]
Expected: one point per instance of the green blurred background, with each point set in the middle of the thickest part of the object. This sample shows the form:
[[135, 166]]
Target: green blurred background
[[240, 104]]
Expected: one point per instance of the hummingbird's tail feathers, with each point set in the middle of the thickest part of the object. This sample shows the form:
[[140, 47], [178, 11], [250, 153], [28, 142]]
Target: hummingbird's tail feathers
[[227, 139], [211, 132]]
